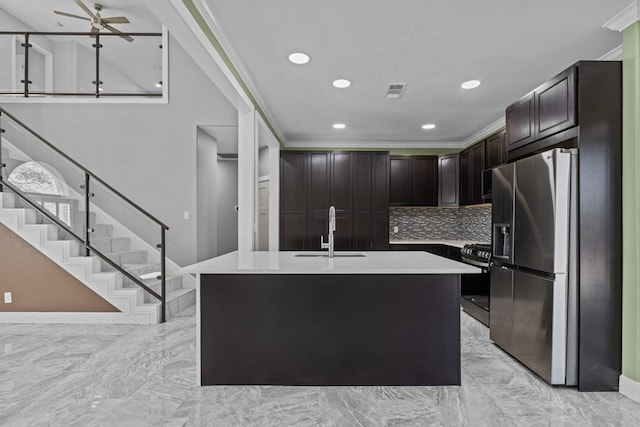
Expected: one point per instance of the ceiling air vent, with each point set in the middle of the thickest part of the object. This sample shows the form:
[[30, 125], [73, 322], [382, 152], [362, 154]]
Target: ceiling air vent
[[395, 90]]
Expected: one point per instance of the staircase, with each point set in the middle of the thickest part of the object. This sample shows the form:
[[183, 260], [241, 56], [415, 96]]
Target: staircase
[[111, 239]]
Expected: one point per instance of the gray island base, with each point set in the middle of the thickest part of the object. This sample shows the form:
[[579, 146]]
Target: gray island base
[[346, 321]]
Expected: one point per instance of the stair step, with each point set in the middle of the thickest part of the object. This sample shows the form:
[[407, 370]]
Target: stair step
[[140, 269], [125, 257], [173, 284], [111, 244], [178, 300], [99, 231]]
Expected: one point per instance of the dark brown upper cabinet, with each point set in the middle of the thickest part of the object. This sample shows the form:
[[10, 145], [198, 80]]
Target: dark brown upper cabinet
[[556, 104], [293, 198], [549, 109], [400, 192], [472, 163], [519, 118], [495, 150], [414, 180], [318, 182], [448, 176]]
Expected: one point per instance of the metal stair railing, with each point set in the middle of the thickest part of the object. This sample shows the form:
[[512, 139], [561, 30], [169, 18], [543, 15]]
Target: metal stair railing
[[85, 240]]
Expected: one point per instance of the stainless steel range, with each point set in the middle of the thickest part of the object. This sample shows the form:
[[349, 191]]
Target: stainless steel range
[[474, 289], [478, 254]]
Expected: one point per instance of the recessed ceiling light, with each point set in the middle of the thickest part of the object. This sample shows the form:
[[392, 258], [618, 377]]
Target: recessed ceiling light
[[299, 58], [341, 83], [339, 126], [471, 84], [428, 126]]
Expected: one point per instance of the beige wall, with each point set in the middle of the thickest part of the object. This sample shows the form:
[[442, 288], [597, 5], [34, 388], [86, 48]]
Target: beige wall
[[38, 284]]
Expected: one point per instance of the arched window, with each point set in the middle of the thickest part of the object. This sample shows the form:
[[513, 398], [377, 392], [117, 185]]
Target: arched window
[[38, 178], [45, 186]]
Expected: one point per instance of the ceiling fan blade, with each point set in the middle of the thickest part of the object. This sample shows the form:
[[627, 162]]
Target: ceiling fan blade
[[115, 20], [118, 32], [70, 15], [85, 8]]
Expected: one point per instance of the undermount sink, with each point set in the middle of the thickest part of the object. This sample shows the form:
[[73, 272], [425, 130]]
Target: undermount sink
[[335, 255]]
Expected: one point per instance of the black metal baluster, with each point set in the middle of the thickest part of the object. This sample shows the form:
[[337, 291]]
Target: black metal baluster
[[98, 82], [87, 228], [26, 81], [163, 279]]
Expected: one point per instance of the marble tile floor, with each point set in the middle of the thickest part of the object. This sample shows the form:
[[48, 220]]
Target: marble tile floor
[[97, 375]]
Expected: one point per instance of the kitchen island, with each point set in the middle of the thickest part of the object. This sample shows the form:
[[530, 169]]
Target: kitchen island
[[369, 318]]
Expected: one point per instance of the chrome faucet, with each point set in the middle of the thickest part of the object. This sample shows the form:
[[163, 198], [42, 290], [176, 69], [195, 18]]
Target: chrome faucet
[[332, 227]]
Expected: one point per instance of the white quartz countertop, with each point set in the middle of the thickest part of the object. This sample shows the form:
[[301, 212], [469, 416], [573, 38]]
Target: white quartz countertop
[[379, 262], [456, 243]]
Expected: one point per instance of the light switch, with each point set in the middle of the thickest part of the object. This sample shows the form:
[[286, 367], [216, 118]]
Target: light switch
[[7, 298], [395, 228], [186, 214]]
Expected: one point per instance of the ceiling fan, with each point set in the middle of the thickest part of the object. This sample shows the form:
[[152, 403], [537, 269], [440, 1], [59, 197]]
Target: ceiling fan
[[98, 22]]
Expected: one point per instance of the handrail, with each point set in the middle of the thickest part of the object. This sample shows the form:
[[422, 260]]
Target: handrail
[[96, 36], [88, 175], [62, 225], [85, 170]]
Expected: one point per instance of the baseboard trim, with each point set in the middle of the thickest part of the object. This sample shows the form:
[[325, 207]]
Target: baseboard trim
[[73, 317], [630, 388]]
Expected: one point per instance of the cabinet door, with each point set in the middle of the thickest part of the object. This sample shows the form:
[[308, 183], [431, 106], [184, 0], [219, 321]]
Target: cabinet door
[[293, 194], [362, 232], [519, 118], [400, 181], [425, 180], [476, 168], [380, 183], [342, 181], [362, 183], [555, 103], [344, 232], [448, 180], [318, 183], [380, 230], [495, 150], [465, 177], [293, 231], [317, 228]]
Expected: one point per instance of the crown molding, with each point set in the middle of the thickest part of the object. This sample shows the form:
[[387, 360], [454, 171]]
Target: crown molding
[[372, 144], [622, 20], [614, 54], [483, 133]]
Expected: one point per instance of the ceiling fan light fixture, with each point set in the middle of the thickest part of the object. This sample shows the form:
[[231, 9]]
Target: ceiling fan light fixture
[[299, 58]]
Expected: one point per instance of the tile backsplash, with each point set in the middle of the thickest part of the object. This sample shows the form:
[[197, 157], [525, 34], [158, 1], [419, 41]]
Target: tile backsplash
[[424, 223]]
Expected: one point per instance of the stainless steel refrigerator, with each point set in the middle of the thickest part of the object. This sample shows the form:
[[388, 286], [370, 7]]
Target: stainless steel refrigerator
[[534, 265]]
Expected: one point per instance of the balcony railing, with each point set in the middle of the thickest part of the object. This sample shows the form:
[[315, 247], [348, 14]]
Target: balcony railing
[[72, 64]]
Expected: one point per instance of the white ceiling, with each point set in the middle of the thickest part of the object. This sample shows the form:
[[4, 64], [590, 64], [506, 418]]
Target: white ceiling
[[512, 46]]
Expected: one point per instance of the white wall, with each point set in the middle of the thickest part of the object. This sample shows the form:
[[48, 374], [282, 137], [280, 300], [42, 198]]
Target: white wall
[[146, 151], [207, 210], [227, 199]]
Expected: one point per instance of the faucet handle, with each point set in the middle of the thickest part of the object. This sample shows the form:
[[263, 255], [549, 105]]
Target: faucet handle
[[323, 244]]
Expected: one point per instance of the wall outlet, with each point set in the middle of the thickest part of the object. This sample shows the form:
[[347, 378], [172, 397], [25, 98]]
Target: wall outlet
[[395, 229], [186, 214], [8, 299]]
